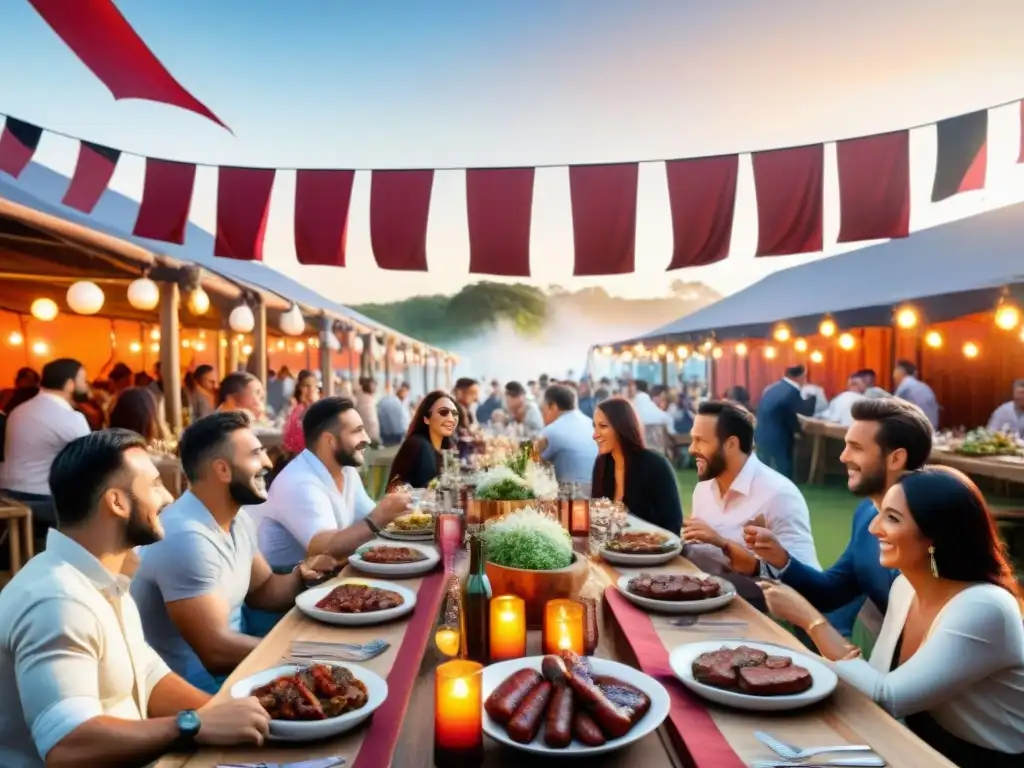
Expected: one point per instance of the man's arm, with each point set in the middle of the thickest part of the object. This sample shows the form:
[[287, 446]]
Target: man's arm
[[825, 590], [269, 591], [340, 543], [172, 695]]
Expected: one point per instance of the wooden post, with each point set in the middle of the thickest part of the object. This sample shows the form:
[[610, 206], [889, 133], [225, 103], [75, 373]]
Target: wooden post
[[426, 374], [448, 374], [223, 343], [437, 372], [170, 354], [389, 353], [326, 369], [366, 358], [664, 371], [259, 341], [232, 351]]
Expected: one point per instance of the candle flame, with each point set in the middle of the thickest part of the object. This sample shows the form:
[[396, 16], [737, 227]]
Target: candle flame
[[507, 616], [460, 688]]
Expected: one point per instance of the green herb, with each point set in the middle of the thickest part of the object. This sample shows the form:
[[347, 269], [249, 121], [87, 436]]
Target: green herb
[[528, 540], [504, 490]]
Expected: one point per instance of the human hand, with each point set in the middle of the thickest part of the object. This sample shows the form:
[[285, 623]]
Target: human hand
[[314, 568], [395, 504], [239, 721], [700, 531], [787, 604], [763, 543]]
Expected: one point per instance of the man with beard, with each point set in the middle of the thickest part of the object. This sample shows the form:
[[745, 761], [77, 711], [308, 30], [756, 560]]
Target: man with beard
[[191, 586], [83, 687], [318, 504], [736, 488], [888, 437]]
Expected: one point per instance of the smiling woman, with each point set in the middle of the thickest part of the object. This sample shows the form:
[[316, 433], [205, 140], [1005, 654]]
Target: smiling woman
[[419, 458]]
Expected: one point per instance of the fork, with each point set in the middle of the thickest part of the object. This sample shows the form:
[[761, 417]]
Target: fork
[[856, 762], [691, 621], [302, 653], [789, 752]]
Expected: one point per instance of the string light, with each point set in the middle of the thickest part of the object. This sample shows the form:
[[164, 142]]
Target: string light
[[280, 344], [154, 347], [1007, 316], [301, 347], [707, 345], [971, 350], [247, 350], [800, 345], [199, 346], [906, 318], [15, 339], [769, 353], [816, 356], [154, 335], [781, 333], [198, 301], [933, 339], [847, 342], [135, 347], [40, 348], [682, 352], [606, 351], [186, 344], [44, 309], [827, 328], [662, 349], [741, 349], [716, 353]]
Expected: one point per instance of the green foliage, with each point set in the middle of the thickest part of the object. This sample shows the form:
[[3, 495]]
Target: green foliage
[[528, 540], [518, 461], [505, 490]]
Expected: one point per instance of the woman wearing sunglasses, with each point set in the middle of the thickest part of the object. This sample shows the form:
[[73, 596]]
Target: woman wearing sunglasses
[[419, 458]]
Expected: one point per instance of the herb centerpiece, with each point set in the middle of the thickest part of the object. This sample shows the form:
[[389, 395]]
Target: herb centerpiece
[[512, 486]]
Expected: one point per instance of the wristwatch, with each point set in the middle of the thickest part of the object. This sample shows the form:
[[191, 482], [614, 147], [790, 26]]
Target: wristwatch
[[374, 528], [188, 728]]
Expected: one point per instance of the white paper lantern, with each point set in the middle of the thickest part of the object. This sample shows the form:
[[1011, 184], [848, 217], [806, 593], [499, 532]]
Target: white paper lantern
[[241, 319], [143, 294], [333, 343], [357, 345], [85, 298], [198, 301], [376, 349], [44, 309], [292, 322]]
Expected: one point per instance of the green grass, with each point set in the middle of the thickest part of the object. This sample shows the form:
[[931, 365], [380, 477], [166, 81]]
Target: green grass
[[831, 510]]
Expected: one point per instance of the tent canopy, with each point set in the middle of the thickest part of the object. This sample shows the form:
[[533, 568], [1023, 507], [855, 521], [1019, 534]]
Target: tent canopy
[[115, 216], [947, 271]]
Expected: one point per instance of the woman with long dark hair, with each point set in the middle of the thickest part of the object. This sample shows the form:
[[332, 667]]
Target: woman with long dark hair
[[950, 657], [419, 458], [135, 409], [307, 392], [629, 472]]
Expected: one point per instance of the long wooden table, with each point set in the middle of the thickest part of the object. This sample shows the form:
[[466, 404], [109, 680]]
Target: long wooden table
[[847, 717]]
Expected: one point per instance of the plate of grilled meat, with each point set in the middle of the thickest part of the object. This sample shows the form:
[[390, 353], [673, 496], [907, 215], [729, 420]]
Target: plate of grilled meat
[[677, 592], [356, 602], [387, 559]]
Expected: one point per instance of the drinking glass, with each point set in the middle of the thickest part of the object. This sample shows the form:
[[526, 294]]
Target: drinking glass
[[449, 534], [600, 522]]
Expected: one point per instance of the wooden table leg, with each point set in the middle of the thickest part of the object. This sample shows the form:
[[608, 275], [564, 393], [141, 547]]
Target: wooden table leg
[[816, 449], [14, 543], [28, 536]]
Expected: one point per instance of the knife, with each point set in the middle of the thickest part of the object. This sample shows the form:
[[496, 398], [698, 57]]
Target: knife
[[322, 762]]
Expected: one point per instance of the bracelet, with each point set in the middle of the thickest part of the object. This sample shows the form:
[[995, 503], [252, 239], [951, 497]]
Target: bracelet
[[815, 624], [371, 525]]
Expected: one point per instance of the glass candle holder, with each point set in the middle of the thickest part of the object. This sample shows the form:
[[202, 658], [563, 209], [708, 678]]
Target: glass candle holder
[[508, 628], [458, 714], [563, 626]]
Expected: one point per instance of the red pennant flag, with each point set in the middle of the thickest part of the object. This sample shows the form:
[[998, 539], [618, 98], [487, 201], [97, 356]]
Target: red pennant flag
[[499, 204], [789, 186], [243, 204], [166, 200], [96, 165], [105, 42], [18, 143], [702, 197], [874, 187], [399, 209], [604, 218], [962, 154], [321, 216]]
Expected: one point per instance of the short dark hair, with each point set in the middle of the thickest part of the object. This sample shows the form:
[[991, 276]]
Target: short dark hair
[[202, 370], [465, 383], [234, 384], [57, 373], [560, 396], [27, 373], [322, 415], [900, 425], [641, 385], [515, 389], [206, 436], [119, 372], [83, 470], [865, 373], [795, 371], [908, 367], [732, 421]]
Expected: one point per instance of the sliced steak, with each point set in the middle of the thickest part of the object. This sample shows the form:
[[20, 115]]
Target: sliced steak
[[715, 668], [778, 662], [765, 681], [745, 656]]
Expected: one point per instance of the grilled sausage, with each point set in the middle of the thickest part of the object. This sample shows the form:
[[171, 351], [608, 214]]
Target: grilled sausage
[[502, 703], [558, 727], [554, 669], [624, 695], [586, 730], [526, 720], [614, 720]]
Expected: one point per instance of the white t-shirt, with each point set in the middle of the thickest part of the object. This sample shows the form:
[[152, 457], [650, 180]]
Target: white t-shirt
[[36, 431], [304, 501], [968, 673], [758, 490], [650, 414], [839, 410]]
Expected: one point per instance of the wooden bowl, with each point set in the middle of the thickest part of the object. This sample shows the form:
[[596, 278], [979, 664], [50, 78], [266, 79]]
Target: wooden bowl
[[537, 587], [482, 510]]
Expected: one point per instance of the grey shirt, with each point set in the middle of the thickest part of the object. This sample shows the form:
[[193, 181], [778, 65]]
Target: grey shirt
[[571, 447], [196, 557]]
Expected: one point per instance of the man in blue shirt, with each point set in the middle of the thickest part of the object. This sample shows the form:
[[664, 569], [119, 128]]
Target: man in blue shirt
[[567, 440], [887, 438]]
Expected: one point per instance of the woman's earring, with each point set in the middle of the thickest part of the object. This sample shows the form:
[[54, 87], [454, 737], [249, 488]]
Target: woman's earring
[[931, 556]]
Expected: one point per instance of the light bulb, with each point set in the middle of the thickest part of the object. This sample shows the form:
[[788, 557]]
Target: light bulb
[[800, 345], [906, 318], [781, 333], [247, 349], [155, 334], [769, 353], [682, 351], [816, 356], [154, 347], [717, 353], [40, 348], [1007, 317], [198, 301], [85, 298], [741, 349], [971, 350], [15, 339], [933, 339], [847, 342], [135, 347], [44, 309], [827, 328]]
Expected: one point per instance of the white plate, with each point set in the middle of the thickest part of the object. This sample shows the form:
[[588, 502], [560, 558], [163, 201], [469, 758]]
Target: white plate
[[407, 535], [311, 730], [495, 674], [679, 606], [306, 602], [397, 569], [658, 558], [825, 680]]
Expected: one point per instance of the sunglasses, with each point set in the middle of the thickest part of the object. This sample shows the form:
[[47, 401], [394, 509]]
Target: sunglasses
[[445, 412]]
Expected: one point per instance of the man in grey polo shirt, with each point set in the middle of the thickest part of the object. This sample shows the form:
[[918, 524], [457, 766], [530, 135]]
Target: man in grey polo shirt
[[568, 439], [191, 586]]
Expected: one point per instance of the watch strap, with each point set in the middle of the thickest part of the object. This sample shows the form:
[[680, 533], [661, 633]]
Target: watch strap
[[374, 528]]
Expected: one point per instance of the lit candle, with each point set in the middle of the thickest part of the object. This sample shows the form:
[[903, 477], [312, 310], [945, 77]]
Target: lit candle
[[447, 641], [579, 523], [458, 714], [508, 628], [563, 626]]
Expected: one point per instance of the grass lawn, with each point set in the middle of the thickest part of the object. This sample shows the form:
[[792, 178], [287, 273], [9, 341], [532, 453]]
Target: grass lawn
[[831, 513]]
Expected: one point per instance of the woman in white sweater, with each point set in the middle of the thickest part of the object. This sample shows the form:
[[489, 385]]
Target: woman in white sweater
[[949, 660]]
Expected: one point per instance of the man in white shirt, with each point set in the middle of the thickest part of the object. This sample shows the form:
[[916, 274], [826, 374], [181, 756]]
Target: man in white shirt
[[838, 410], [648, 411], [736, 488], [82, 686], [36, 432], [1009, 416], [317, 504]]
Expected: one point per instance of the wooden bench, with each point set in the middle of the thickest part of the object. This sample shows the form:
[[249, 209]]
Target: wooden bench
[[19, 534]]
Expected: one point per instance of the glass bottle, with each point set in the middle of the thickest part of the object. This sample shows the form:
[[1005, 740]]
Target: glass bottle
[[476, 603]]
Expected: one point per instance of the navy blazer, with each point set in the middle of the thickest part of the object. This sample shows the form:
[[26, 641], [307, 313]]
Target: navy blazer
[[777, 421]]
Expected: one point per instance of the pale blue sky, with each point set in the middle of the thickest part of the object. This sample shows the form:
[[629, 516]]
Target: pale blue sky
[[413, 84]]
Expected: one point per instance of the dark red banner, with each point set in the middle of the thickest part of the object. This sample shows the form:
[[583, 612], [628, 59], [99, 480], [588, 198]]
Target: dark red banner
[[321, 216], [95, 167], [243, 205], [604, 218], [790, 197], [874, 187], [399, 208], [166, 200], [702, 197], [499, 206]]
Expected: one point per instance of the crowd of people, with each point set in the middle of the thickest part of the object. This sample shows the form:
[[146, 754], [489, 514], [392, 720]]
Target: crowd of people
[[184, 588]]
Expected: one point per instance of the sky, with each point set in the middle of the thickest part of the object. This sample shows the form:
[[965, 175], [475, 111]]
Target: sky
[[460, 83]]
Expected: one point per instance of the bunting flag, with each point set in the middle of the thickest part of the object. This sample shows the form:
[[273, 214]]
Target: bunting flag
[[321, 216], [399, 209], [106, 43], [499, 206], [18, 143], [702, 199], [790, 195], [95, 167], [243, 205], [962, 154], [166, 200], [874, 187], [603, 218]]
